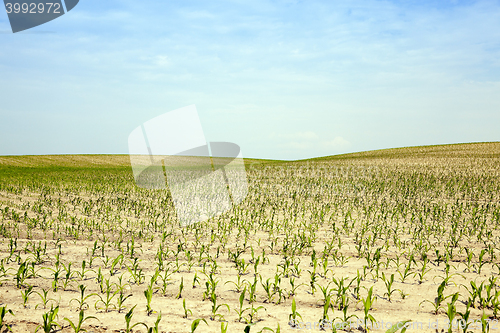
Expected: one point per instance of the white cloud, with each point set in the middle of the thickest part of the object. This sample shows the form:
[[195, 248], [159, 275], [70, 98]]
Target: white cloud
[[162, 61], [338, 144], [308, 135]]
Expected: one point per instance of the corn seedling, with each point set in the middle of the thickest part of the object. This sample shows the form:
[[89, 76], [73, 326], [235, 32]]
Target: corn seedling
[[128, 319], [269, 289], [44, 298], [223, 327], [388, 284], [252, 313], [82, 301], [186, 310], [148, 293], [3, 312], [81, 319], [181, 286], [238, 284], [438, 301], [155, 328], [107, 299], [196, 323], [452, 311], [120, 300], [292, 318], [216, 307], [49, 320], [325, 317], [25, 294], [240, 310], [22, 274], [367, 304], [464, 322]]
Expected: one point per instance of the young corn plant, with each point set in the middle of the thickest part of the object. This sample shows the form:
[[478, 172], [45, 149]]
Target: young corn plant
[[25, 294], [223, 327], [481, 262], [312, 281], [77, 327], [465, 322], [292, 317], [83, 271], [136, 273], [155, 328], [475, 292], [49, 322], [448, 276], [495, 304], [56, 272], [120, 300], [67, 276], [345, 319], [294, 287], [181, 287], [4, 272], [3, 312], [82, 301], [325, 318], [121, 285], [252, 313], [357, 285], [216, 307], [196, 280], [388, 284], [485, 323], [240, 310], [341, 290], [165, 281], [186, 310], [404, 274], [44, 297], [423, 271], [268, 288], [116, 264], [108, 299], [367, 305], [238, 284], [451, 312], [148, 293], [196, 323], [438, 301], [128, 319], [22, 274], [252, 290]]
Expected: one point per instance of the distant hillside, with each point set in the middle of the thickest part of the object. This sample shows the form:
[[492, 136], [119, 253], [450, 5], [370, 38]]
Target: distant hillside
[[461, 150], [77, 161]]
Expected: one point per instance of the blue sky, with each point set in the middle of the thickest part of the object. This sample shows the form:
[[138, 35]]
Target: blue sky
[[284, 79]]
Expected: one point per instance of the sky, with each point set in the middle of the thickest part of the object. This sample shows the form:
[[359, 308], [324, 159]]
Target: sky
[[283, 79]]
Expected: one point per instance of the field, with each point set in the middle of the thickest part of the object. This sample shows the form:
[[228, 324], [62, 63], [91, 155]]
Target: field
[[369, 239]]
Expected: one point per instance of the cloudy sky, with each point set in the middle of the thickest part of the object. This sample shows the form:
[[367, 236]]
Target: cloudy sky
[[284, 79]]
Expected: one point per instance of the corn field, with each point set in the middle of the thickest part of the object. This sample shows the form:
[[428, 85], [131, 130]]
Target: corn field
[[345, 243]]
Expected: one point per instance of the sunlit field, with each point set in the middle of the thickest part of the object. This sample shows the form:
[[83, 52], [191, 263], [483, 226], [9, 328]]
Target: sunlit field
[[352, 242]]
